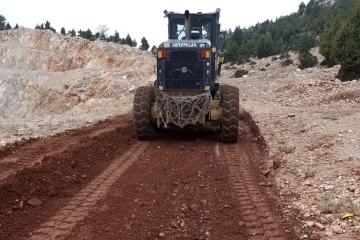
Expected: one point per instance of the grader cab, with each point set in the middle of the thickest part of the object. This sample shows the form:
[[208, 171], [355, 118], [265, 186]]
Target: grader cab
[[187, 91]]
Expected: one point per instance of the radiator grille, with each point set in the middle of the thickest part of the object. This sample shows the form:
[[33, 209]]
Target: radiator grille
[[184, 71]]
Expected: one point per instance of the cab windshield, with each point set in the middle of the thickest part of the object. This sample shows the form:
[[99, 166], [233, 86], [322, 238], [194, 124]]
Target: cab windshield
[[200, 29]]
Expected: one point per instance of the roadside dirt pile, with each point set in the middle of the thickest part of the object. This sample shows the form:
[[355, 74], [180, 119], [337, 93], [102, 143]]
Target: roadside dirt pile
[[68, 79], [309, 120]]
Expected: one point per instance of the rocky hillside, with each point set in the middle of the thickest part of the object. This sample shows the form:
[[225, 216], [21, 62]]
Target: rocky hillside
[[309, 120], [47, 74], [44, 50]]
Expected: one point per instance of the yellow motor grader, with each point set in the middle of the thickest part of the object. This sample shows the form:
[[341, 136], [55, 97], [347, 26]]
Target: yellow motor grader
[[186, 91]]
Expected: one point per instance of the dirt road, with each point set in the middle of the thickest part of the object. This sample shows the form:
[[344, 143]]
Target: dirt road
[[100, 183]]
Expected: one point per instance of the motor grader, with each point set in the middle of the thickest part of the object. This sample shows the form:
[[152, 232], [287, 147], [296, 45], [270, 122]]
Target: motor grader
[[187, 91]]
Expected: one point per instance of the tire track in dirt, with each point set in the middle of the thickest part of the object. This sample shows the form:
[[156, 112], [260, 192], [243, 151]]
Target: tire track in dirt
[[62, 223], [33, 154], [185, 184], [260, 219], [59, 176], [32, 157], [178, 189]]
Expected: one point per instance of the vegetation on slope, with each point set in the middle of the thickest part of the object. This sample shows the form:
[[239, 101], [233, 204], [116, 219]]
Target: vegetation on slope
[[333, 26]]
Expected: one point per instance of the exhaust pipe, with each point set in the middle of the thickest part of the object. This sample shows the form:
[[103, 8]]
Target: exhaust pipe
[[187, 25]]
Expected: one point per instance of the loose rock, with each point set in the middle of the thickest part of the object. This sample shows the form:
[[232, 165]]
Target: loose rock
[[310, 224], [337, 229], [35, 202], [319, 226]]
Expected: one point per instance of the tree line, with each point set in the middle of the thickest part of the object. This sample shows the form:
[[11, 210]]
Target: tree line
[[4, 25], [335, 28], [100, 34]]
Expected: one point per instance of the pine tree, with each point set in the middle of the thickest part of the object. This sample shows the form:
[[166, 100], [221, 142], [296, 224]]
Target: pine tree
[[81, 33], [8, 26], [134, 43], [73, 33], [302, 8], [47, 25], [2, 22], [88, 34], [231, 52], [129, 40], [265, 46], [304, 42], [62, 31], [346, 46], [16, 26], [116, 37], [238, 36], [144, 44]]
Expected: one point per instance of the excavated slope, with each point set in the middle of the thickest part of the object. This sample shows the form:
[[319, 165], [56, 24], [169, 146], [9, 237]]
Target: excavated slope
[[43, 73]]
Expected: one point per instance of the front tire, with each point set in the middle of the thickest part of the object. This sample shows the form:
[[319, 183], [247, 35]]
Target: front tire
[[230, 113]]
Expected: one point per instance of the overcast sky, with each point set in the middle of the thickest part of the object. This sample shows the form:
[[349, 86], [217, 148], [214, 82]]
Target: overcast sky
[[139, 18]]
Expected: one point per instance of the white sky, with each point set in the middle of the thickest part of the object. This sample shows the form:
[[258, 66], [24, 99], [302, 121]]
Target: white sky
[[140, 18]]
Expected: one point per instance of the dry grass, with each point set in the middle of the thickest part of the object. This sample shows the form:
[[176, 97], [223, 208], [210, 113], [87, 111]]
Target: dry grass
[[287, 149], [345, 95], [286, 87], [328, 203]]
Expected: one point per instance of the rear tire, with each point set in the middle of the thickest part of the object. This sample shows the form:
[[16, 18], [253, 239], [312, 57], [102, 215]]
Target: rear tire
[[230, 113], [142, 113]]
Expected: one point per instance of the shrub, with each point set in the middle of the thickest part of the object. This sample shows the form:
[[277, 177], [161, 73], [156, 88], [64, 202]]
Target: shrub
[[286, 62], [328, 62], [240, 61], [284, 55], [307, 60], [239, 73], [341, 43]]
